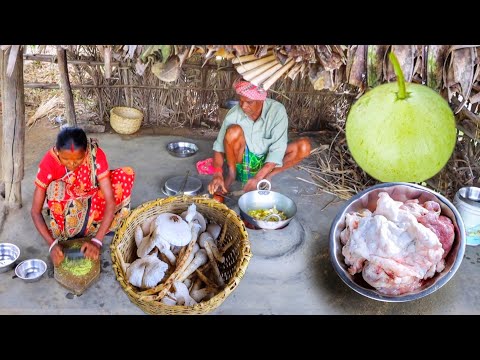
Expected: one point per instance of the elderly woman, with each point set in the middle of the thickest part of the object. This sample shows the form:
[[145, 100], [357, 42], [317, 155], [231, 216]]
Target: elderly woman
[[254, 141], [84, 197]]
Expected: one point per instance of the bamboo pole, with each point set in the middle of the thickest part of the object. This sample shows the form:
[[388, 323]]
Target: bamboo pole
[[266, 85], [247, 58], [252, 65], [265, 75], [53, 59], [13, 140], [65, 86], [251, 74]]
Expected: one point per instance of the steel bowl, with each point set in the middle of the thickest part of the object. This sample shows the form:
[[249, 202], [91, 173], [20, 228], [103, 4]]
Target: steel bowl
[[31, 270], [400, 192], [182, 149], [9, 254], [192, 185], [467, 201], [266, 199]]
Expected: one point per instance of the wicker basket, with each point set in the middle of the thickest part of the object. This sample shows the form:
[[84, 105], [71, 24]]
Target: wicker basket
[[125, 120], [237, 257]]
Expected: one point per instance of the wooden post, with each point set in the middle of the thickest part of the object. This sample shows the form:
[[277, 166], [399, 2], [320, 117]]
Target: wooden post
[[13, 139], [126, 80], [65, 85]]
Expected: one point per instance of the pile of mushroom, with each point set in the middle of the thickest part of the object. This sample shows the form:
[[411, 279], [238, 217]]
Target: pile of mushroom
[[177, 258]]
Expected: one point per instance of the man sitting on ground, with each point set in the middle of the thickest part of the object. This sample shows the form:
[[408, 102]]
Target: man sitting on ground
[[254, 141]]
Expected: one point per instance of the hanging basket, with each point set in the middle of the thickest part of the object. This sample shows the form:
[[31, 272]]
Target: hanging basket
[[125, 120], [237, 257]]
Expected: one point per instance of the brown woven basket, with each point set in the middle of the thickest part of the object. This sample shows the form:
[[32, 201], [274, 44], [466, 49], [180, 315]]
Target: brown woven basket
[[125, 120], [237, 257]]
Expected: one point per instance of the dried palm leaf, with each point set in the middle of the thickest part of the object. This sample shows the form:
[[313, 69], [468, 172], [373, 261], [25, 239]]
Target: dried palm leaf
[[436, 56], [406, 58], [168, 71], [463, 70], [375, 59], [356, 68]]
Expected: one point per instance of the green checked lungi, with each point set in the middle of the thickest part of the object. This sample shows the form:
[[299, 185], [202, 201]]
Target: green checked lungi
[[251, 164]]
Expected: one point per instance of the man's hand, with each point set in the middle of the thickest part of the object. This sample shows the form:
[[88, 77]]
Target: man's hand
[[217, 184], [251, 185]]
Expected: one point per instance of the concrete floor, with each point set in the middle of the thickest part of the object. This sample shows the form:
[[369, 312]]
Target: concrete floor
[[290, 271]]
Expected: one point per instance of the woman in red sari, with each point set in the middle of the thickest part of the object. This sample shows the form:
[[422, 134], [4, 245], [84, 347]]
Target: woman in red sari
[[84, 197]]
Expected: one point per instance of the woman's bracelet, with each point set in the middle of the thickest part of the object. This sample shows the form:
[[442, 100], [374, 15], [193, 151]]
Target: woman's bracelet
[[96, 241], [55, 242]]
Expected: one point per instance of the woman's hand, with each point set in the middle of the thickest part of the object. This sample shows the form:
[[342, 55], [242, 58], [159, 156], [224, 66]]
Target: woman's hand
[[57, 255], [216, 184], [90, 250]]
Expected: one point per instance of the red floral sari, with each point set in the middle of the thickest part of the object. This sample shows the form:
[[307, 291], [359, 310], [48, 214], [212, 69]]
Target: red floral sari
[[75, 202]]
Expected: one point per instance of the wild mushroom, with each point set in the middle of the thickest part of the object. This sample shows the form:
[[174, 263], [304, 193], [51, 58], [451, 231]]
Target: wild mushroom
[[199, 295], [199, 260], [173, 229], [147, 245], [182, 295], [146, 272], [168, 229], [214, 230], [138, 235], [187, 283], [213, 263], [196, 216], [169, 299], [146, 225], [206, 237], [154, 272]]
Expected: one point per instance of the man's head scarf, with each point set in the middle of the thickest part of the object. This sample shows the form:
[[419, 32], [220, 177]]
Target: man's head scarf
[[247, 89]]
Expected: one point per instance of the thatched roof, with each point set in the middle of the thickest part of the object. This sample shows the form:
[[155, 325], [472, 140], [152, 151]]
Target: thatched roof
[[449, 69]]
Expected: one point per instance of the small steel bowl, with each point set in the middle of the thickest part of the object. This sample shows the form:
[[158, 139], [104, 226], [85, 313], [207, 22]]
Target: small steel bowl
[[182, 149], [31, 270], [367, 199], [9, 254]]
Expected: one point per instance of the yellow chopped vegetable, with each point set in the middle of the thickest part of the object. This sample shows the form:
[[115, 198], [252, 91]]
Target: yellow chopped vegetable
[[77, 267], [261, 214]]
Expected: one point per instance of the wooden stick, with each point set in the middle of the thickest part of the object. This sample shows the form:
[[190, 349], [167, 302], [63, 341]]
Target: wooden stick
[[222, 235], [66, 88], [226, 247], [205, 279]]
